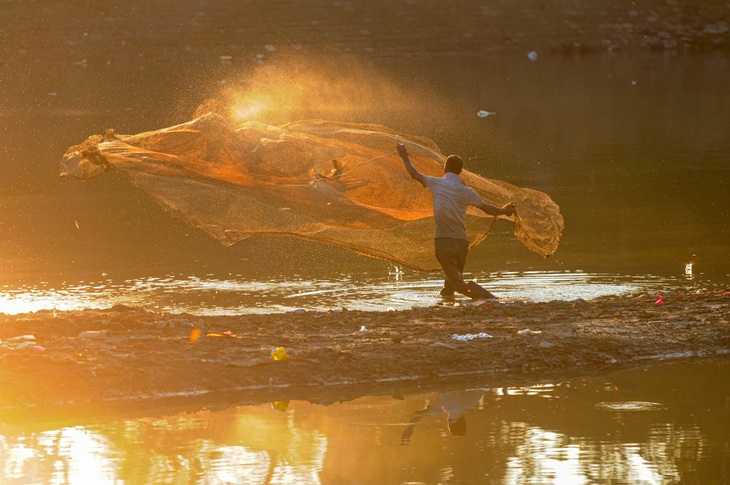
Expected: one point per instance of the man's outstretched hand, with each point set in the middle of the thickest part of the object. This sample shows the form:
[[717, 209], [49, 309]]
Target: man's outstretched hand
[[402, 150]]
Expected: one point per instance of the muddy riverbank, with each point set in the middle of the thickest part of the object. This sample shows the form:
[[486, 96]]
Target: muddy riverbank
[[127, 355]]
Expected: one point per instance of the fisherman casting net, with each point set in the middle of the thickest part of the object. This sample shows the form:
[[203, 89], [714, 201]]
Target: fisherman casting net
[[336, 183]]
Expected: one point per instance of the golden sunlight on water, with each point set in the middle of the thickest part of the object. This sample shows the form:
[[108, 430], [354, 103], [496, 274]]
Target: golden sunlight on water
[[31, 301], [234, 295], [548, 433], [264, 451]]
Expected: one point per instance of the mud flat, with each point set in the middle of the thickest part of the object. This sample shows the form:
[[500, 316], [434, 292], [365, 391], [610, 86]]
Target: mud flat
[[128, 355]]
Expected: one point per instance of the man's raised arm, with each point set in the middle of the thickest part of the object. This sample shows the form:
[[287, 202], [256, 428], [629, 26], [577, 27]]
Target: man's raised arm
[[415, 174]]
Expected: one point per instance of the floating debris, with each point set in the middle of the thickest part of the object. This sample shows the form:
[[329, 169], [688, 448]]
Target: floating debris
[[631, 406], [688, 269]]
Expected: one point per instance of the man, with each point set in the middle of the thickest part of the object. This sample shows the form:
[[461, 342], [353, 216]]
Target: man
[[454, 404], [450, 201]]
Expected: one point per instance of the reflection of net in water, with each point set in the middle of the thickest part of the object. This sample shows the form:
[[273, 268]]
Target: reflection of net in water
[[331, 182]]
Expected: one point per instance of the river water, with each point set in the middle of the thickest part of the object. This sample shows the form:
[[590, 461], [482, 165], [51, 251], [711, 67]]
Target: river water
[[633, 148], [651, 425]]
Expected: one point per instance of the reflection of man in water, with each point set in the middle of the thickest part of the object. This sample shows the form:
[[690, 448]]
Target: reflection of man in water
[[453, 404], [450, 201]]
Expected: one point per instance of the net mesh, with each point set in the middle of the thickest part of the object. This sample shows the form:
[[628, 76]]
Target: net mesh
[[332, 182]]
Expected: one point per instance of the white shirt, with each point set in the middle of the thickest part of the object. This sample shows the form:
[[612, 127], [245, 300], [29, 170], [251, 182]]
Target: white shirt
[[450, 201]]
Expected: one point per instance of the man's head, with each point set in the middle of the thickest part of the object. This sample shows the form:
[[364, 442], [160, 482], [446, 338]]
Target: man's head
[[454, 164]]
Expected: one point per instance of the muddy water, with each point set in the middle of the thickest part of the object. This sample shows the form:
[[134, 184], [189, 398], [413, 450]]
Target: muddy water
[[633, 147], [662, 424]]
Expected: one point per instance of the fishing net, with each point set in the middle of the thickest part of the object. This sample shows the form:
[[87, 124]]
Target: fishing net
[[336, 183]]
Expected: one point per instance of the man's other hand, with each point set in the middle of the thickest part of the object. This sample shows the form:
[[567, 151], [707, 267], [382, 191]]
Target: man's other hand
[[509, 209]]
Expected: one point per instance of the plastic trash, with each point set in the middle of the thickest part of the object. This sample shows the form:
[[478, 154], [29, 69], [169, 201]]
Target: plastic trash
[[28, 345], [484, 113], [280, 405], [470, 336], [279, 354], [19, 342], [21, 338], [659, 302], [527, 331], [363, 329], [227, 333], [94, 334], [532, 55]]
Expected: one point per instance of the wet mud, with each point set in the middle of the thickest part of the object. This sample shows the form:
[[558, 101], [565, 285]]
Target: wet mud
[[123, 355]]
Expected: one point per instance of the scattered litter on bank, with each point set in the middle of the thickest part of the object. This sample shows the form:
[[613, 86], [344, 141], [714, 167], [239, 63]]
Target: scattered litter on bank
[[226, 334], [470, 336], [279, 354], [22, 342], [93, 334]]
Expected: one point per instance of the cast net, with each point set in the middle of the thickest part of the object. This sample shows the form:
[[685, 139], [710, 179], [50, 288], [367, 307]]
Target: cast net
[[336, 183]]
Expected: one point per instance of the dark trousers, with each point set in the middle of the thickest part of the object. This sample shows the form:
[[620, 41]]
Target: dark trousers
[[451, 255]]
